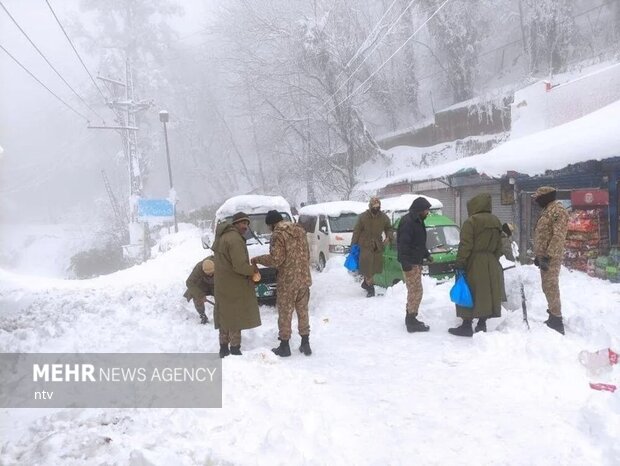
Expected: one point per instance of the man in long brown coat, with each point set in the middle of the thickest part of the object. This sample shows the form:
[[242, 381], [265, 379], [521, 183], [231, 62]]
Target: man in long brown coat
[[236, 306], [200, 284], [289, 253], [367, 234], [549, 239], [478, 256]]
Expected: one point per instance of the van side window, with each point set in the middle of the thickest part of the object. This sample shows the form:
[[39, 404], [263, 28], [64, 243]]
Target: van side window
[[323, 223], [308, 222]]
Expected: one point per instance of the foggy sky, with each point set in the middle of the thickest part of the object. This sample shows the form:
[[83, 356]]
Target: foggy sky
[[51, 165]]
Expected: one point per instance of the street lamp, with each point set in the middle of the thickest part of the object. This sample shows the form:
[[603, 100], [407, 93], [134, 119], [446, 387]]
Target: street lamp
[[163, 117]]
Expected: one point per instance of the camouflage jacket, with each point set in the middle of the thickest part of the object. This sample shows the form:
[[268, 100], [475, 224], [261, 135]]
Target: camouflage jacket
[[550, 233], [289, 253]]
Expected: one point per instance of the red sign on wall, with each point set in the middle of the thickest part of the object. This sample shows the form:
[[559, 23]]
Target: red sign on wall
[[589, 198]]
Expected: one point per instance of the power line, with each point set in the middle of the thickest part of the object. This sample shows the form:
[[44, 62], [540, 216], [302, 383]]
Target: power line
[[368, 55], [390, 57], [75, 50], [48, 62], [39, 81], [357, 52]]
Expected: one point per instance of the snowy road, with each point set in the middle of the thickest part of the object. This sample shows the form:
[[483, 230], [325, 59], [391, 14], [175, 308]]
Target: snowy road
[[370, 394]]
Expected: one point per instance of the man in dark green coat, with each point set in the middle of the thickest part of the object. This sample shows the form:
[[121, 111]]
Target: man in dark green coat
[[200, 284], [478, 256], [236, 306], [367, 234]]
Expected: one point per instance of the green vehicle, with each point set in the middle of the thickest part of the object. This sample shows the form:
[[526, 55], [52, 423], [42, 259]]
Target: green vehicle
[[442, 240]]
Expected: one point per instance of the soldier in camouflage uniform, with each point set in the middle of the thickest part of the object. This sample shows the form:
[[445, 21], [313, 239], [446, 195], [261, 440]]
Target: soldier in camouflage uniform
[[367, 234], [549, 239], [200, 285], [289, 253]]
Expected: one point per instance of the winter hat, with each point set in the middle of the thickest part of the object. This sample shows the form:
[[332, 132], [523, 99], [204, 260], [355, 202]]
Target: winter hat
[[545, 195], [420, 204], [273, 217], [374, 202], [240, 217], [208, 266], [543, 190]]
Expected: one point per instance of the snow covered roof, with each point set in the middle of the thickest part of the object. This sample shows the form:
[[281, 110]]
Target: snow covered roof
[[403, 202], [251, 204], [595, 136], [334, 209]]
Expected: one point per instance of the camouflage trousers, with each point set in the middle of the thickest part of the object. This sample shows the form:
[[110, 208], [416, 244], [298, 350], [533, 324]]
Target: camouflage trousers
[[413, 280], [289, 300], [551, 287], [230, 336]]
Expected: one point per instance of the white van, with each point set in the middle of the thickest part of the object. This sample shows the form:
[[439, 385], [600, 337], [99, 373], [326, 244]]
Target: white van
[[329, 227], [396, 207]]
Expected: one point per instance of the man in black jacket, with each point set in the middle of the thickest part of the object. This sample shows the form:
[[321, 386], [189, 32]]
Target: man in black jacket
[[412, 251]]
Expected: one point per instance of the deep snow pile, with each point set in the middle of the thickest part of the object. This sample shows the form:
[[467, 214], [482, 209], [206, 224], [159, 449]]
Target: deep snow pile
[[370, 394]]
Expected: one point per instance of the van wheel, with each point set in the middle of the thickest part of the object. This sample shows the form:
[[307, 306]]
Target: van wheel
[[321, 265]]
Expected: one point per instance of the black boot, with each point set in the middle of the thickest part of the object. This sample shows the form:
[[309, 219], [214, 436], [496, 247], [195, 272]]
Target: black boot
[[556, 323], [203, 318], [370, 291], [305, 345], [284, 350], [364, 285], [224, 351], [464, 330], [414, 325], [481, 326], [236, 350]]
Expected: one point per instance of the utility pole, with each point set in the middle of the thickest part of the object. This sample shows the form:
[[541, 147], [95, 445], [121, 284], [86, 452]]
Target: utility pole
[[163, 117], [126, 110]]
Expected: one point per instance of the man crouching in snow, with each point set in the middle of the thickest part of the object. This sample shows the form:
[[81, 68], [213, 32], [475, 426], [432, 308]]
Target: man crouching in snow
[[200, 285], [289, 253]]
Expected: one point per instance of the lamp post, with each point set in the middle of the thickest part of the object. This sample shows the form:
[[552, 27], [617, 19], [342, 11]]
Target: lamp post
[[163, 117]]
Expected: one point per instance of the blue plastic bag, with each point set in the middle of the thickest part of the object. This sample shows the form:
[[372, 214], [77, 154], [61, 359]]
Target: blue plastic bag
[[352, 262], [460, 294]]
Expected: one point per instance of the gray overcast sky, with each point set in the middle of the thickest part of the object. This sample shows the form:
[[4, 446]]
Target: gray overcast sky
[[43, 174]]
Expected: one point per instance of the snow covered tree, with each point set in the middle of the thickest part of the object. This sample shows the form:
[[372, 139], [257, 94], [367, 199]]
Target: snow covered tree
[[458, 30], [550, 33]]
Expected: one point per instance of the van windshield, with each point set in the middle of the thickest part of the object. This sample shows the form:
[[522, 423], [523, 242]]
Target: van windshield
[[259, 227], [442, 238], [344, 223]]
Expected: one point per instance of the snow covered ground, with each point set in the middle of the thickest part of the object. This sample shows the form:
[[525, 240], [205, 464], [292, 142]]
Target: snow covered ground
[[43, 250], [370, 394]]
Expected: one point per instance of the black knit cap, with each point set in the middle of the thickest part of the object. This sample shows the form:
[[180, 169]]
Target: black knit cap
[[240, 217], [273, 217]]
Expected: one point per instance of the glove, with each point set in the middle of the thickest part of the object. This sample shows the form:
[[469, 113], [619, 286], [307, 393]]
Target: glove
[[544, 263], [506, 229]]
